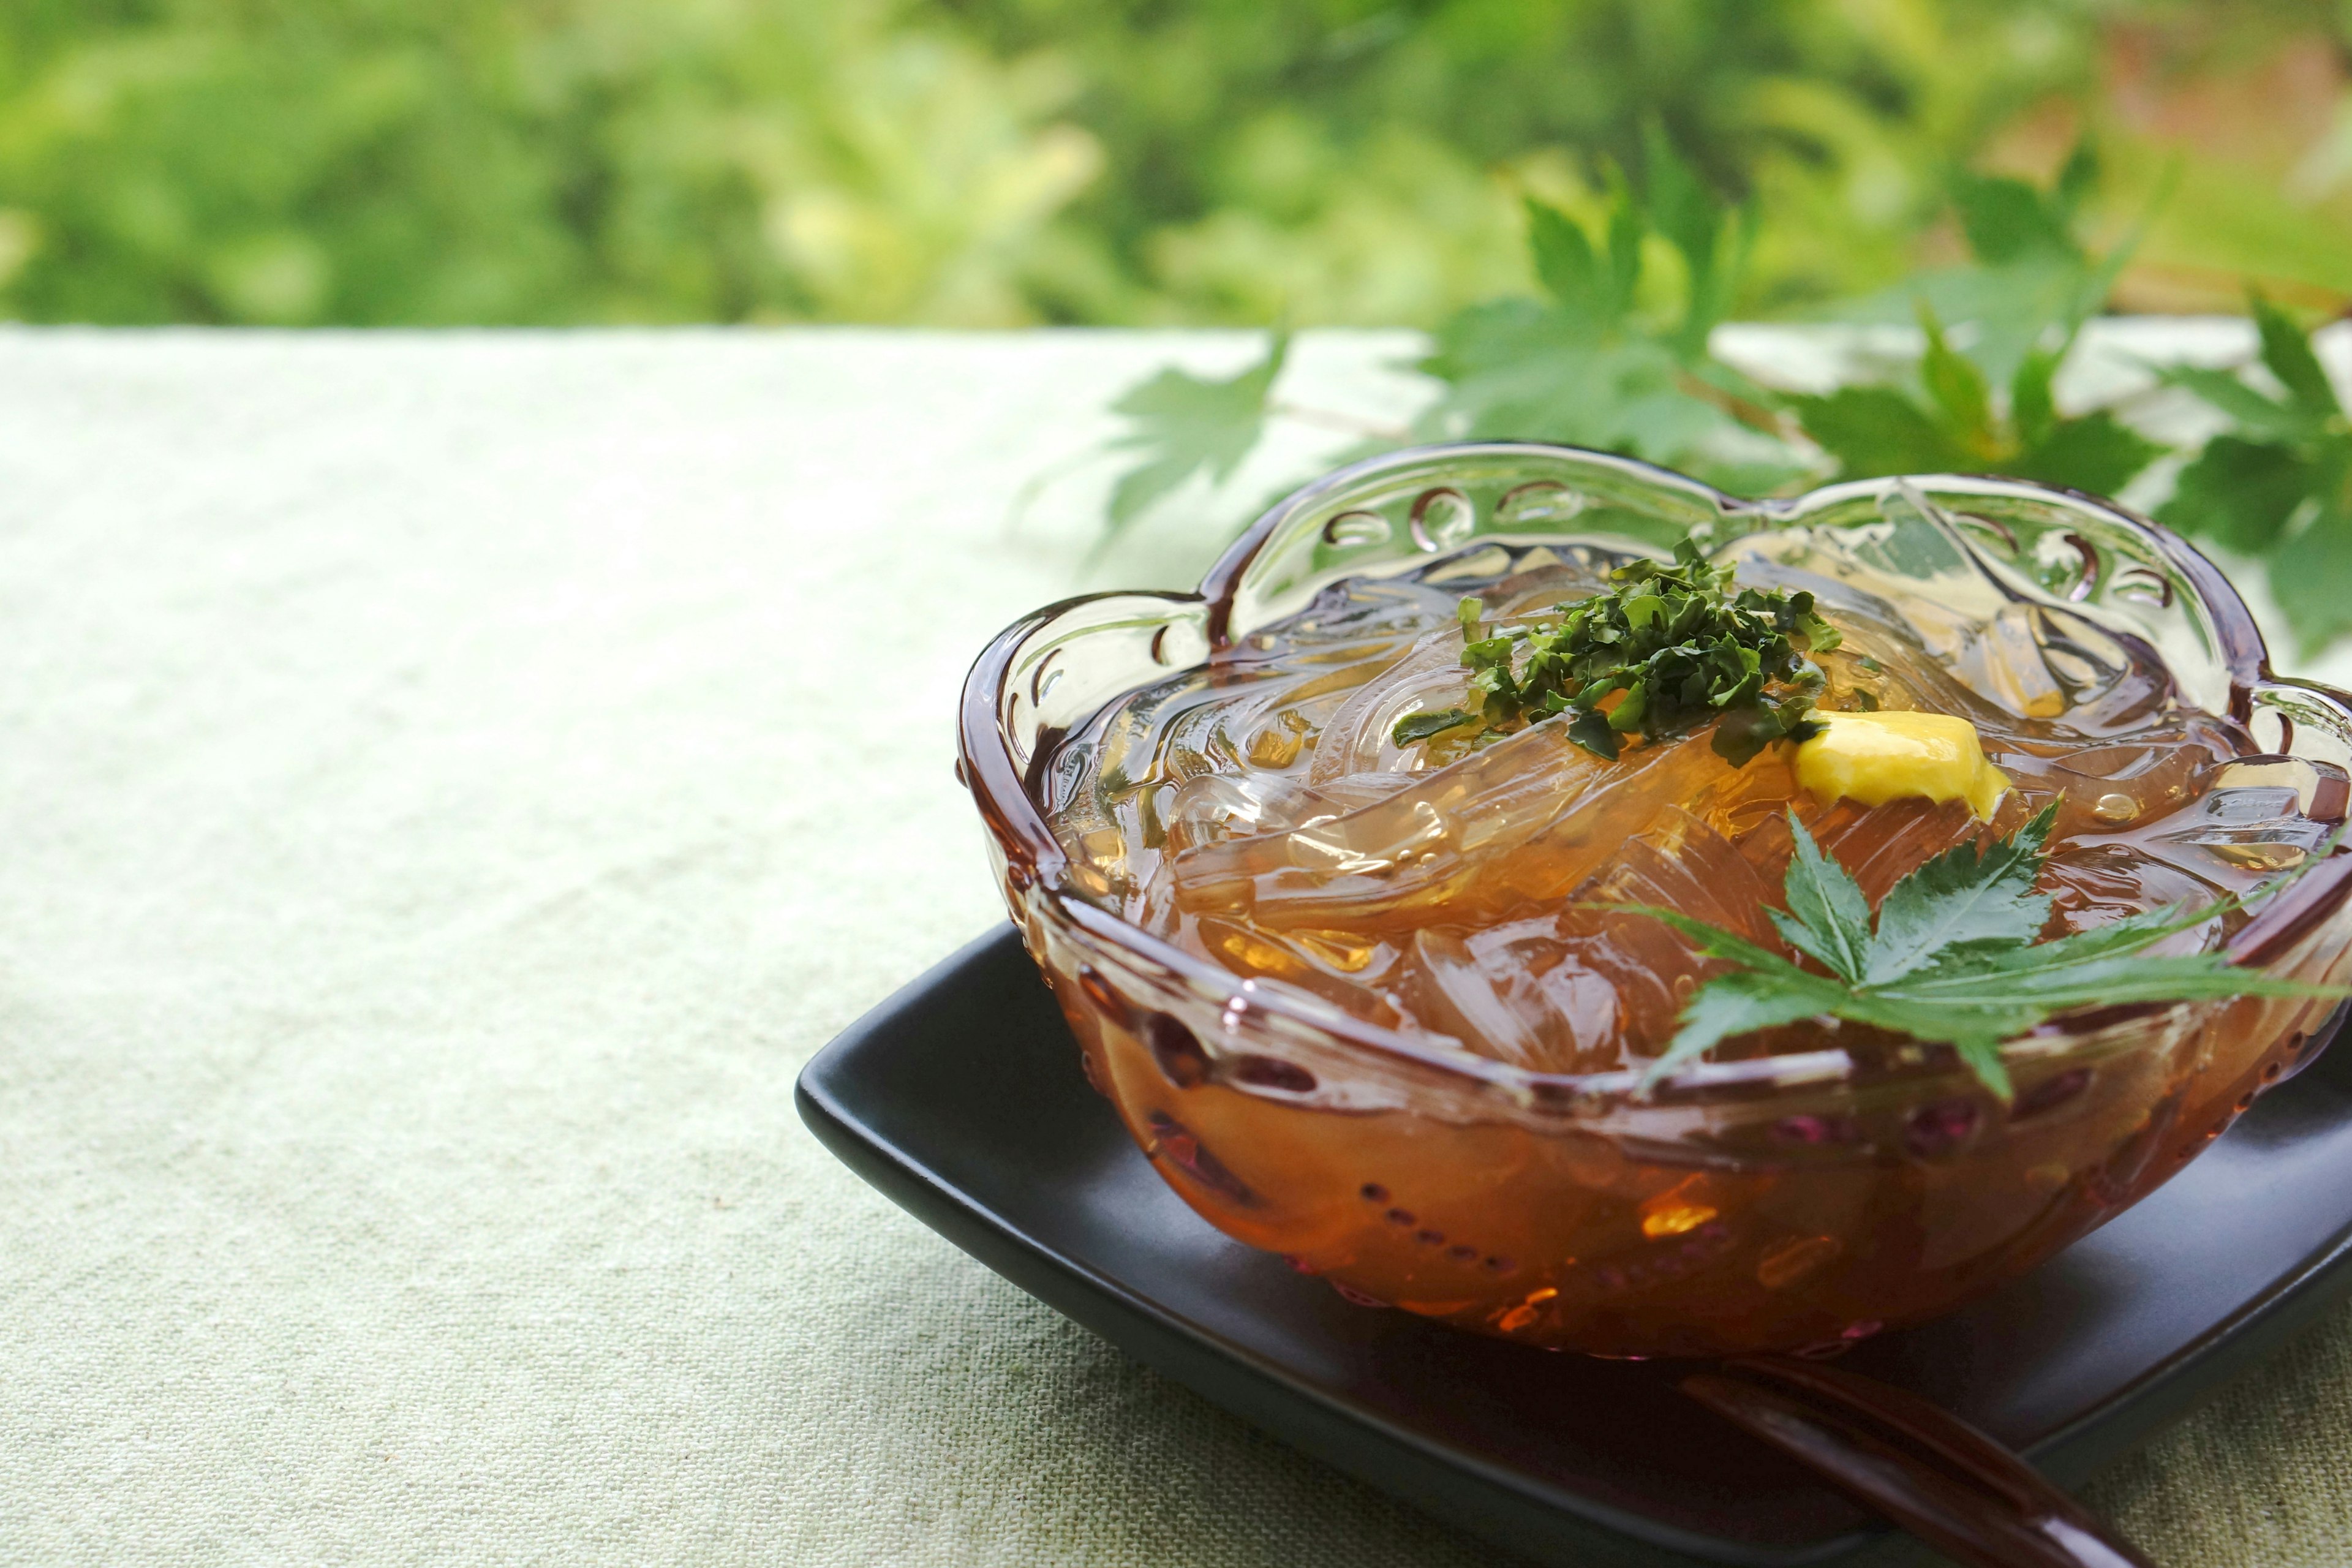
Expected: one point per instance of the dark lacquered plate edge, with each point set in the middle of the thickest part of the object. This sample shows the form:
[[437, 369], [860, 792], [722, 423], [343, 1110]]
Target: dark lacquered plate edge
[[1510, 1507], [1496, 1502], [1502, 1505], [2173, 1388]]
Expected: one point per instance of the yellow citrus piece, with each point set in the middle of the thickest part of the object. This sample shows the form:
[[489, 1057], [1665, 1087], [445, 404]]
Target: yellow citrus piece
[[1873, 758]]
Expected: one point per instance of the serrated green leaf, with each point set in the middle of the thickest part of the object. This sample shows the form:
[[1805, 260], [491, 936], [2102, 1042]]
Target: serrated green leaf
[[2033, 407], [1943, 1020], [1626, 227], [1740, 1003], [1184, 424], [1955, 385], [1962, 897], [2008, 220], [1831, 918], [2281, 482], [1713, 941], [2096, 982], [2256, 412], [1734, 246], [2287, 353], [2013, 309], [2097, 453], [2032, 286], [1690, 217], [1981, 1055], [1137, 489], [2026, 301], [1585, 367], [1876, 430], [2311, 577], [1515, 371], [2099, 277], [1565, 264], [1684, 210], [2078, 179], [2238, 493], [1979, 986], [2131, 934]]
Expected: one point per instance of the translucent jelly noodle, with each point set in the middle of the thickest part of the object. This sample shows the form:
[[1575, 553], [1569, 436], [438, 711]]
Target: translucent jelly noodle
[[1350, 995]]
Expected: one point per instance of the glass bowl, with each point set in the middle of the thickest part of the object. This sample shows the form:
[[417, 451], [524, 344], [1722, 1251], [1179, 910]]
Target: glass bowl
[[1797, 1202]]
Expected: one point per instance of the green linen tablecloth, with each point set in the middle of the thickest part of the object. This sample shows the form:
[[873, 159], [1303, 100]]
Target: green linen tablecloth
[[450, 783]]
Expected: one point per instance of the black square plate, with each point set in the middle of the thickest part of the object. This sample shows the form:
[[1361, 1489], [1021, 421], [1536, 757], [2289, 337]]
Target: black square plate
[[962, 1098]]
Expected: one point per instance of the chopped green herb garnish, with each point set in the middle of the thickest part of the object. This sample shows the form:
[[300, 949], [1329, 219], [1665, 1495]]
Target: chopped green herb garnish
[[1422, 726], [1673, 643], [1953, 959]]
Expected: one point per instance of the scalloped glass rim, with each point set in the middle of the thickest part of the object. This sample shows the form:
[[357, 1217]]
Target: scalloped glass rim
[[1254, 582]]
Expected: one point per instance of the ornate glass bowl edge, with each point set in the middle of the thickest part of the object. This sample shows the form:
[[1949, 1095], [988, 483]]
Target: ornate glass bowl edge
[[1022, 695]]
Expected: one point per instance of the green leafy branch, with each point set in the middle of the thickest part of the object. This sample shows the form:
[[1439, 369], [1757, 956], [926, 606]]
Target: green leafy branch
[[1950, 959], [1615, 356], [1594, 362], [2025, 298], [2279, 479]]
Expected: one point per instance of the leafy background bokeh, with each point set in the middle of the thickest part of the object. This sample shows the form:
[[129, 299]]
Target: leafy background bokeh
[[994, 162]]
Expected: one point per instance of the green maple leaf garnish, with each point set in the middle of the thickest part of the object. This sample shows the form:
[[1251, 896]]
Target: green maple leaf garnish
[[2281, 481], [1952, 958]]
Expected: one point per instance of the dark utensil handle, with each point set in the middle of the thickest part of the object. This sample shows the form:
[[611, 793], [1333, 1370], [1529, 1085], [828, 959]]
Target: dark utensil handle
[[1928, 1471]]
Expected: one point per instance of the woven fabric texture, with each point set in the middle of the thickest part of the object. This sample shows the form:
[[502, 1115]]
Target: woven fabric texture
[[451, 783]]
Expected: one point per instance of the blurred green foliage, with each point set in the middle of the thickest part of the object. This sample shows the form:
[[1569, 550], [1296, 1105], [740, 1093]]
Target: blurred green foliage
[[2279, 482], [997, 162], [1607, 358], [2027, 289], [437, 160]]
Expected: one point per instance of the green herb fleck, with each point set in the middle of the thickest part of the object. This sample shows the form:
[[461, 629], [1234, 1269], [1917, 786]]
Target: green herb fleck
[[1422, 726], [1953, 959], [1672, 643]]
